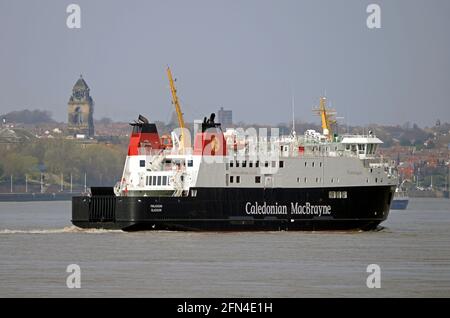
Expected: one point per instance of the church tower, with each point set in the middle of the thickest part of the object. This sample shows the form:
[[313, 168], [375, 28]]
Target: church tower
[[81, 110]]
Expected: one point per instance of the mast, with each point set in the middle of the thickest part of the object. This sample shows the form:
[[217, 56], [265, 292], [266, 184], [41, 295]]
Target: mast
[[326, 116], [176, 103]]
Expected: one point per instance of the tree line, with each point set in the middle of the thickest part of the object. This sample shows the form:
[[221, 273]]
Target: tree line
[[102, 163]]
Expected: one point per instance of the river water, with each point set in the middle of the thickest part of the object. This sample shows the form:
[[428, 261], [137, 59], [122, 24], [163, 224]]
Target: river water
[[37, 243]]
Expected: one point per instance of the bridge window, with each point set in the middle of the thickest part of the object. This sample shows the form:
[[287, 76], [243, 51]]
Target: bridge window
[[164, 180], [159, 180], [361, 148], [142, 163], [154, 180]]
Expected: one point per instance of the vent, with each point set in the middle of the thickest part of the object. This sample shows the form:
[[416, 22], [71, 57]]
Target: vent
[[102, 209]]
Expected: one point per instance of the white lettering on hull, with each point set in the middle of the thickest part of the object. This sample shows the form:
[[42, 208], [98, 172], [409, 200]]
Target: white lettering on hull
[[296, 208]]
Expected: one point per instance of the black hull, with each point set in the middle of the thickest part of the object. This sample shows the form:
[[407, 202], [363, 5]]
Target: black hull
[[238, 209]]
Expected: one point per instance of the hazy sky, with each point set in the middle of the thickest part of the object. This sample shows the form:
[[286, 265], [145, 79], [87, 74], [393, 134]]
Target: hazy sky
[[248, 56]]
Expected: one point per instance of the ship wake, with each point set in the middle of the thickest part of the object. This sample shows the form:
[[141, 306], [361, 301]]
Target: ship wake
[[67, 229]]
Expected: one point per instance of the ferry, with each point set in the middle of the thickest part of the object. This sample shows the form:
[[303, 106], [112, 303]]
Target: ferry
[[237, 180]]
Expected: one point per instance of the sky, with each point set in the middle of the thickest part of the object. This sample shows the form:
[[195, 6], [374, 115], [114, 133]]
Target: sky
[[249, 56]]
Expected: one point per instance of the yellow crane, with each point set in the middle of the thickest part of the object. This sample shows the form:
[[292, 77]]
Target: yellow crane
[[176, 103], [327, 117]]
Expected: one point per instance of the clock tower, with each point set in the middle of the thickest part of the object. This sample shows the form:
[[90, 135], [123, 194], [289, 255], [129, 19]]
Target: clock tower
[[81, 110]]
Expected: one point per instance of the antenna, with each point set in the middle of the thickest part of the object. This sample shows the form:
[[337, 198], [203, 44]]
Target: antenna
[[293, 116]]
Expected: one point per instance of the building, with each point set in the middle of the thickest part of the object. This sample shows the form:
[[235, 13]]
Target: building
[[225, 117], [81, 111]]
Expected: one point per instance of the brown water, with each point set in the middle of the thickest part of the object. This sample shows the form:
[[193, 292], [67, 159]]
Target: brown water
[[37, 243]]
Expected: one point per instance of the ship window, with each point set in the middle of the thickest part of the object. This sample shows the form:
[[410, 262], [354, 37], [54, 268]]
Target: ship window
[[257, 164], [237, 164], [361, 148], [338, 194], [306, 180], [305, 163], [164, 180], [320, 164], [367, 180], [257, 179], [141, 163], [244, 164], [231, 164], [227, 166], [154, 180], [274, 164], [313, 164], [332, 195], [332, 180], [190, 163], [159, 180], [193, 193], [238, 179], [281, 164], [344, 194], [146, 180], [182, 178], [298, 179], [250, 164], [231, 179], [376, 180], [266, 164]]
